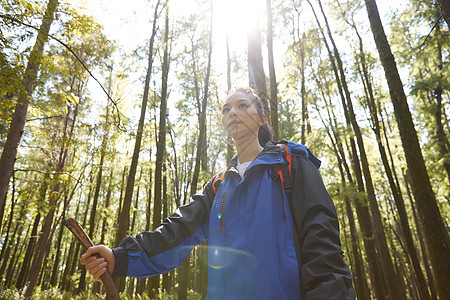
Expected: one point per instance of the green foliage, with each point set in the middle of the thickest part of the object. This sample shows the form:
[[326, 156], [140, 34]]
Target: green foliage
[[420, 40], [56, 294], [69, 119]]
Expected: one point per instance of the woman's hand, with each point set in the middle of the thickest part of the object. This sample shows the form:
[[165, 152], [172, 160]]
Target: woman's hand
[[97, 266]]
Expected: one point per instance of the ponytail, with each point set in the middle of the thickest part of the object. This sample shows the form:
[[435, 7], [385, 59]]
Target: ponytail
[[265, 134]]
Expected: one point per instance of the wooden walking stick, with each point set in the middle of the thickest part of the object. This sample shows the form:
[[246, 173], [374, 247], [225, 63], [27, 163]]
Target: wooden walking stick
[[86, 242]]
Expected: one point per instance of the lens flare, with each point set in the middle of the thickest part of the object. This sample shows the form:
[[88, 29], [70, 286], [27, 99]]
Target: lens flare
[[218, 257], [221, 257]]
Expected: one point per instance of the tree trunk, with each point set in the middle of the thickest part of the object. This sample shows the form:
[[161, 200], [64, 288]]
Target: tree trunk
[[184, 268], [124, 219], [15, 256], [63, 284], [122, 182], [125, 211], [8, 258], [20, 114], [55, 270], [359, 273], [359, 201], [53, 200], [230, 150], [409, 243], [364, 215], [393, 284], [98, 183], [444, 7], [423, 248], [106, 208], [43, 243], [160, 144], [273, 79], [362, 289], [7, 244], [257, 78], [28, 254], [303, 90], [440, 133], [436, 235], [47, 231], [165, 279]]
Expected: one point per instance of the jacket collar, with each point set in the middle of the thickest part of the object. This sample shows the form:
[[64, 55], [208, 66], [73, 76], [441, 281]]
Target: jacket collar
[[271, 154]]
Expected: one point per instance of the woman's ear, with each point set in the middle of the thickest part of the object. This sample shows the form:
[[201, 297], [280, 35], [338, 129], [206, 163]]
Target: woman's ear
[[263, 118]]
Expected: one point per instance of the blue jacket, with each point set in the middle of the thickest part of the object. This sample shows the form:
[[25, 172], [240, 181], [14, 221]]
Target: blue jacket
[[256, 250]]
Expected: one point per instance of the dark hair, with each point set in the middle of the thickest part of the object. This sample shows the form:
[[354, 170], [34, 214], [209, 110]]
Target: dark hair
[[265, 132]]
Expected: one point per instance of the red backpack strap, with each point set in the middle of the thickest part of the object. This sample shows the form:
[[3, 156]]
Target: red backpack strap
[[283, 174], [288, 159], [220, 176]]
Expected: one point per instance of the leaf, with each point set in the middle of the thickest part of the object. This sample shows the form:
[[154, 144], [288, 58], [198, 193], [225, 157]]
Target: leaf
[[73, 99]]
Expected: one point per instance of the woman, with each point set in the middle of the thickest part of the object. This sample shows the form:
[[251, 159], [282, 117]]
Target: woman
[[261, 245]]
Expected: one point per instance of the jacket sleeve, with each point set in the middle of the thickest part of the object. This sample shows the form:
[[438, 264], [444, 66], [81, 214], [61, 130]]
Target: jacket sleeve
[[323, 273], [165, 248]]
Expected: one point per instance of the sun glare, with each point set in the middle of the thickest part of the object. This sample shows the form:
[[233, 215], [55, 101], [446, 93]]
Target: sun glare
[[235, 17]]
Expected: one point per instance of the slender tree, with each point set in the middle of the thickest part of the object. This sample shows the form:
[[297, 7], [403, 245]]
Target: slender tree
[[256, 75], [444, 7], [359, 273], [201, 112], [20, 283], [230, 149], [273, 80], [410, 247], [394, 287], [436, 234], [303, 89], [161, 142], [361, 204], [67, 137], [21, 111], [125, 211]]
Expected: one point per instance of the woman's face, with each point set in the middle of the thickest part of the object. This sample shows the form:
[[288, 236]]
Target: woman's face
[[240, 119]]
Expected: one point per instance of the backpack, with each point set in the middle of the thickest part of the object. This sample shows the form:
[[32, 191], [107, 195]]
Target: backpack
[[281, 173]]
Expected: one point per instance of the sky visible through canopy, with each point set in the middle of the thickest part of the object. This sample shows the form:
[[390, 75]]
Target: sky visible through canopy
[[129, 24]]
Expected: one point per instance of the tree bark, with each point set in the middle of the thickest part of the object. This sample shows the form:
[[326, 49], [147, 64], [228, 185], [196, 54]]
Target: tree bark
[[7, 244], [361, 205], [444, 7], [436, 235], [423, 248], [257, 78], [53, 201], [303, 89], [359, 273], [21, 111], [360, 201], [410, 247], [124, 219], [440, 132], [184, 268], [28, 253], [273, 79], [230, 149], [161, 143], [165, 279], [55, 272], [393, 286]]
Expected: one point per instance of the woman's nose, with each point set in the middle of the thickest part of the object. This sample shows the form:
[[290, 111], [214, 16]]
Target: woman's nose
[[233, 111]]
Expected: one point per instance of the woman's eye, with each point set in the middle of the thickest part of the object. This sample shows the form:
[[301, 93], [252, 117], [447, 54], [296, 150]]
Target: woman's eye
[[243, 106], [225, 110]]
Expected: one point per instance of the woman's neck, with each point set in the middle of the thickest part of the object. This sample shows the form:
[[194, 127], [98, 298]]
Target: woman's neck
[[247, 150]]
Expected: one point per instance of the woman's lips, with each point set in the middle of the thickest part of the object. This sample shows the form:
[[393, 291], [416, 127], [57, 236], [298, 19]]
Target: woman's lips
[[234, 123]]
